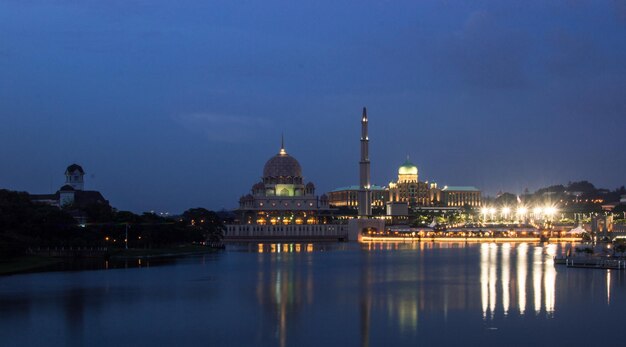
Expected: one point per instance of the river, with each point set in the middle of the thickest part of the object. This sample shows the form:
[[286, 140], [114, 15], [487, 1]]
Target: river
[[346, 294]]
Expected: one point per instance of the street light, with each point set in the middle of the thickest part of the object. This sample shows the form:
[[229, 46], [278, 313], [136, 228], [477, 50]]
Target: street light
[[484, 212], [505, 212], [549, 211]]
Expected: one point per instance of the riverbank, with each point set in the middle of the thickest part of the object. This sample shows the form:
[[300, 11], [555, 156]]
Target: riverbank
[[467, 239], [26, 263], [43, 263], [180, 251]]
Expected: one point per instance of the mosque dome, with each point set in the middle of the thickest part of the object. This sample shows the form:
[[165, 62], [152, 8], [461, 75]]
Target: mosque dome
[[282, 165], [407, 169]]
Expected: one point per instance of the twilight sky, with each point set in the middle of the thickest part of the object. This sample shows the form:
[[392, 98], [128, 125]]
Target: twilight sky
[[170, 105]]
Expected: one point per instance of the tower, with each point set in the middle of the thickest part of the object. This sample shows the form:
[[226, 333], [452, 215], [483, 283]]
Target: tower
[[74, 176], [364, 225], [365, 194]]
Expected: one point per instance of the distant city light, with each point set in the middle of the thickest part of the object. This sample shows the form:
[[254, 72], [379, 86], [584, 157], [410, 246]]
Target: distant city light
[[549, 211], [505, 212]]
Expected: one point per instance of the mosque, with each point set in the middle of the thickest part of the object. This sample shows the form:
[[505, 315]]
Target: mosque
[[281, 206], [281, 197]]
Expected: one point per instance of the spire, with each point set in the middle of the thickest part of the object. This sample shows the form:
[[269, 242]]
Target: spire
[[364, 115], [282, 145]]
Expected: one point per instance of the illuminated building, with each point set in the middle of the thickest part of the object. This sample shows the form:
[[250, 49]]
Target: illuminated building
[[409, 189], [349, 197], [460, 196], [282, 206]]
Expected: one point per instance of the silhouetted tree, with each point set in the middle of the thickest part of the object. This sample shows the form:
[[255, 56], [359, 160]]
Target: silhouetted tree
[[206, 221]]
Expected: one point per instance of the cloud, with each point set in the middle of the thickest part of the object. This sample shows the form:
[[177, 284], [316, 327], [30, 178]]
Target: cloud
[[224, 128]]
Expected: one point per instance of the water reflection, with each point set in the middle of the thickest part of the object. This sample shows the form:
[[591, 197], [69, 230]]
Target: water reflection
[[399, 280], [608, 287], [284, 285], [537, 256], [522, 266], [310, 294], [549, 280], [506, 254], [543, 278]]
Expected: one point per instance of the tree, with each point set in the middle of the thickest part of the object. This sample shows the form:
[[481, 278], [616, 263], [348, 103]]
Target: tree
[[206, 221], [506, 199]]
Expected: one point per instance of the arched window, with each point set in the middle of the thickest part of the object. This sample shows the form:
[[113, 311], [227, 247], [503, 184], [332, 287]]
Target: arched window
[[284, 192]]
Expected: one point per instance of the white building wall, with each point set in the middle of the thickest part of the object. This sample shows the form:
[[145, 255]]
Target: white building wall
[[292, 230]]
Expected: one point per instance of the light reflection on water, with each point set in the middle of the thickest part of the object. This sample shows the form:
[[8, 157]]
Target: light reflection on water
[[311, 294], [543, 273]]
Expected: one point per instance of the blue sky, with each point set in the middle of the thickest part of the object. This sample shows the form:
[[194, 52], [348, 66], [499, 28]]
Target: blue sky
[[170, 105]]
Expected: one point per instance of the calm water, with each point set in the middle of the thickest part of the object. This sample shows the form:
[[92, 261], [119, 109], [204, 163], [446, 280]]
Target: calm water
[[312, 295]]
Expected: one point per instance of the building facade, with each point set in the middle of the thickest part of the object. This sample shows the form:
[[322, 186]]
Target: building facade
[[72, 196], [282, 207], [409, 189], [459, 196], [349, 197]]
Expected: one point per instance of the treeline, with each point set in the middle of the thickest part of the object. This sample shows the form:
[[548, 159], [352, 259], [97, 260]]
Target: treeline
[[24, 225]]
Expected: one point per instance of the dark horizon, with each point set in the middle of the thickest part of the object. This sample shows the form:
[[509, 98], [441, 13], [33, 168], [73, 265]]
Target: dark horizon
[[168, 108]]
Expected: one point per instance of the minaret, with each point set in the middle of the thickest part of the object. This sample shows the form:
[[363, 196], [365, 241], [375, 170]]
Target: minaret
[[365, 194]]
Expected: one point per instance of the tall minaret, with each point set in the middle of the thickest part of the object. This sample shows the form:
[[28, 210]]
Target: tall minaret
[[365, 194]]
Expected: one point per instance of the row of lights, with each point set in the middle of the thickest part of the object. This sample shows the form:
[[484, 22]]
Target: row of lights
[[521, 211]]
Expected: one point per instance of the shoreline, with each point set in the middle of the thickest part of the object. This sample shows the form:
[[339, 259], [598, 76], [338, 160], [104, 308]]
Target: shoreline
[[33, 263], [469, 239]]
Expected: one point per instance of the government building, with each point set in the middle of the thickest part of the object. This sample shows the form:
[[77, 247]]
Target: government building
[[409, 190]]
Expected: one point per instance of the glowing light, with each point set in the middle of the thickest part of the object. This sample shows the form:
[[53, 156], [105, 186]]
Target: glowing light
[[537, 257], [506, 210], [549, 211], [537, 210], [506, 275], [484, 210], [521, 277], [522, 211], [484, 278]]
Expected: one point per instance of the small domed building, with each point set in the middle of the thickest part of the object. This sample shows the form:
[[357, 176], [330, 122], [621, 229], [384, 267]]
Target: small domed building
[[72, 196]]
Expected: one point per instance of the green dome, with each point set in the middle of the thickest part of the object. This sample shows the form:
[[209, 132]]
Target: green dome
[[407, 169]]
